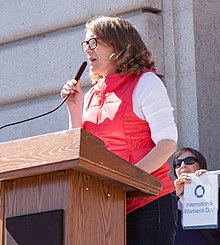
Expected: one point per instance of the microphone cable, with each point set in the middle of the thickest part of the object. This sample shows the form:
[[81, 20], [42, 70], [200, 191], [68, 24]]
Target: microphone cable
[[77, 77]]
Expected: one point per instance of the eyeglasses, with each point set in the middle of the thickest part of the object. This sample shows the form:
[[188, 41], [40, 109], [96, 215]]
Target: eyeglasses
[[92, 42], [188, 161]]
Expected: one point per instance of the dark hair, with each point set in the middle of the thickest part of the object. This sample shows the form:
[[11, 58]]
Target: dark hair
[[201, 159], [131, 54]]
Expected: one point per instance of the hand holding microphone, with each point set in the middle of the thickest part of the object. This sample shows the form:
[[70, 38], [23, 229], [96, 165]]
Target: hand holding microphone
[[73, 87]]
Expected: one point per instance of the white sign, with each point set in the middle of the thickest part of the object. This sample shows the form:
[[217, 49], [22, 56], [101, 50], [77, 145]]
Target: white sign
[[200, 202]]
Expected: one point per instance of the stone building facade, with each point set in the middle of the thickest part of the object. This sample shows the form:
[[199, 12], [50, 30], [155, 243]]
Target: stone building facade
[[40, 50]]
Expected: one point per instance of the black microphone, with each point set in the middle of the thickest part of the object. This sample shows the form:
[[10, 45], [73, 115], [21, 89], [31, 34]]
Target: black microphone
[[77, 77], [79, 73], [80, 70]]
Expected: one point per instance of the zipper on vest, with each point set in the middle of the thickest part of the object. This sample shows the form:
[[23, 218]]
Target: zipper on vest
[[99, 114], [102, 101]]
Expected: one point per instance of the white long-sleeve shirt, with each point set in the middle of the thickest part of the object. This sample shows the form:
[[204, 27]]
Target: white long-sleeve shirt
[[151, 103]]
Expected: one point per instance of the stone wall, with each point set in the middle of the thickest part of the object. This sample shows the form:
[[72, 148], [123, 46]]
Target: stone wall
[[40, 50], [192, 72]]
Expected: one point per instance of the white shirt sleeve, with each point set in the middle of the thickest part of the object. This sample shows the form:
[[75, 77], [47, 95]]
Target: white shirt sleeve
[[151, 103]]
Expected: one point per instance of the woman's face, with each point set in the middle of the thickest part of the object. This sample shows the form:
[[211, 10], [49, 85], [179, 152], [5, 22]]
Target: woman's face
[[186, 169], [99, 58]]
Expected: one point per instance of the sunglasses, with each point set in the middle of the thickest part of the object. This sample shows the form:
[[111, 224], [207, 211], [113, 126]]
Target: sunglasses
[[188, 161], [92, 43]]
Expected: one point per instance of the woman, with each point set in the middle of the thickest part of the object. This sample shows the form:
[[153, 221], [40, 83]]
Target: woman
[[129, 109], [188, 160]]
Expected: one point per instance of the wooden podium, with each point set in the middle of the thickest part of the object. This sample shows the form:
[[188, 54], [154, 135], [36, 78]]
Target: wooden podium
[[73, 172]]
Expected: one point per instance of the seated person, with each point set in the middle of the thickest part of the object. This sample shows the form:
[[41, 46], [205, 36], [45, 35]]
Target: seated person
[[192, 161]]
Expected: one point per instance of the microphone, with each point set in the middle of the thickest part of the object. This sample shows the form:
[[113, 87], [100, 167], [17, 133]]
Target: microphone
[[80, 70], [79, 73]]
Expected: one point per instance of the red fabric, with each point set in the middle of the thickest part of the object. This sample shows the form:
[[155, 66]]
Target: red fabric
[[109, 116]]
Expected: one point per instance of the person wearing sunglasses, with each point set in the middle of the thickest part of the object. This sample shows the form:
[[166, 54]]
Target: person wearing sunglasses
[[129, 109], [186, 161]]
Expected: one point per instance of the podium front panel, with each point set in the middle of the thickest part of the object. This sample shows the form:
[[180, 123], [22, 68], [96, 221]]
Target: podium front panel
[[93, 209]]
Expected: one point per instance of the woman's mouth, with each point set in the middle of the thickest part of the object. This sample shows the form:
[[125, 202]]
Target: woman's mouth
[[91, 60]]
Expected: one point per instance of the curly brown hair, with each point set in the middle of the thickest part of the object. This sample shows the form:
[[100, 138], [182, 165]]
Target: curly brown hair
[[131, 54]]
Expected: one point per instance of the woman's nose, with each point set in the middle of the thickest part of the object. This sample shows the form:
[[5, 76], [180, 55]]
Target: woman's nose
[[87, 49]]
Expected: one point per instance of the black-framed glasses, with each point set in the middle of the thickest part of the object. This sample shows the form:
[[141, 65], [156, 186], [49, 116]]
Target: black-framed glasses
[[92, 43], [188, 161]]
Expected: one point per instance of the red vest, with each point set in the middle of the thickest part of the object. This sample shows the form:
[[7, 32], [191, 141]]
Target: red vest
[[109, 115]]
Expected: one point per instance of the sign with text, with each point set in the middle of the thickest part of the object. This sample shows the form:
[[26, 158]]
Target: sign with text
[[200, 202]]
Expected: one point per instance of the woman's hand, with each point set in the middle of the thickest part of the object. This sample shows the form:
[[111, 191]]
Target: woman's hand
[[179, 183], [200, 172], [72, 87], [74, 102]]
